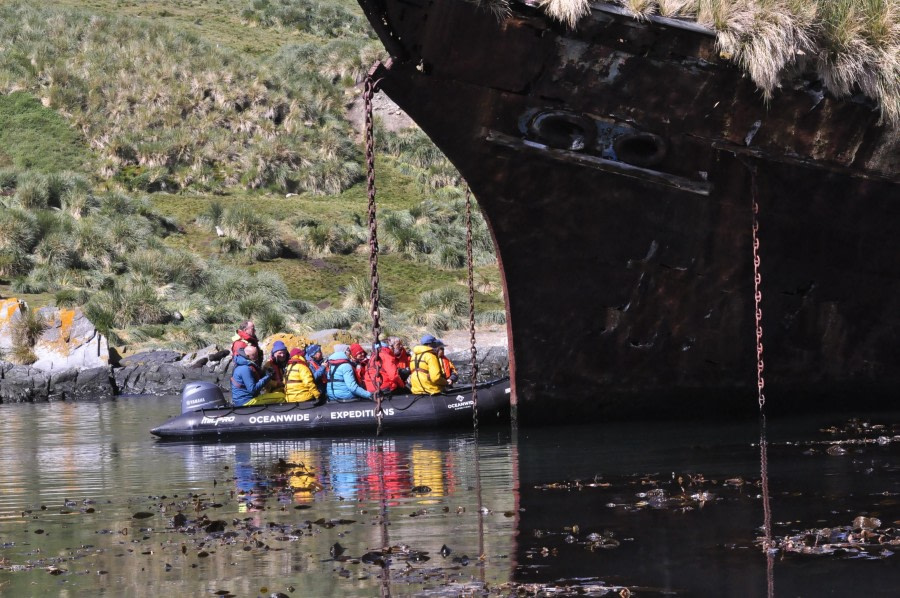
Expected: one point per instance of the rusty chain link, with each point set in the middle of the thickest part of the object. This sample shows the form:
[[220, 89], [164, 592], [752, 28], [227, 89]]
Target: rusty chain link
[[768, 542], [471, 280], [757, 298], [374, 294]]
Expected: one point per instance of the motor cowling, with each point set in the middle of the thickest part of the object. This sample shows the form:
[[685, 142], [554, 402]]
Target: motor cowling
[[201, 395]]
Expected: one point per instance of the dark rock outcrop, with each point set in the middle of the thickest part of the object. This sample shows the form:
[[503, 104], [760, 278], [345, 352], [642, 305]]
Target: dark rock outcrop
[[22, 383], [493, 363]]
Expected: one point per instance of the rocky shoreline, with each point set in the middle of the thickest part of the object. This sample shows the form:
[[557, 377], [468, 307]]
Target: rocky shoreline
[[74, 362], [163, 373]]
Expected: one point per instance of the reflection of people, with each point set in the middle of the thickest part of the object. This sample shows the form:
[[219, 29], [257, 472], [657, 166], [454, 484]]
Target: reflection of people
[[427, 377], [343, 469], [302, 478], [427, 470], [386, 467]]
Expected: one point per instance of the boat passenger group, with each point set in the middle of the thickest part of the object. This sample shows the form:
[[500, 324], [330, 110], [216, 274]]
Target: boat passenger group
[[303, 374]]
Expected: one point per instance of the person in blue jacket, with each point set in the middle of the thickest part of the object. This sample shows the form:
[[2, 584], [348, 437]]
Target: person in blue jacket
[[316, 362], [342, 385], [247, 381]]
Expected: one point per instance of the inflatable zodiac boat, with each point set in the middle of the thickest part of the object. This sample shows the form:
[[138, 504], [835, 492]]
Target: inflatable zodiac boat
[[205, 413]]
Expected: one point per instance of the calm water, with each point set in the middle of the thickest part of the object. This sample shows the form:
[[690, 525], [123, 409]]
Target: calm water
[[659, 509]]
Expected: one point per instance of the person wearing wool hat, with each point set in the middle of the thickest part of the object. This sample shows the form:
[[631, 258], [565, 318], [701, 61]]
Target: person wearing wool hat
[[427, 376], [299, 384], [316, 362], [277, 362], [360, 360]]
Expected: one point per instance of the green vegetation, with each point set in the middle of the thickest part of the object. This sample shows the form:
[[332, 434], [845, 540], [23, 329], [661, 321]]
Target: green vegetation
[[167, 110], [35, 137], [850, 43], [175, 167]]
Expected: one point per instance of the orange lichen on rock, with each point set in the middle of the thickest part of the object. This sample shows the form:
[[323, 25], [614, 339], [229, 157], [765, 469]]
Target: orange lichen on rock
[[7, 309], [66, 317]]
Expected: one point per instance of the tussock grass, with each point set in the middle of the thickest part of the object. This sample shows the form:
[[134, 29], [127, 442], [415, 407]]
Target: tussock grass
[[443, 308], [27, 327], [167, 110], [853, 45], [318, 18]]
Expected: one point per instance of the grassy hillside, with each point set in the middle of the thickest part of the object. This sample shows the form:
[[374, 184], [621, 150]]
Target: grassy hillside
[[37, 138], [177, 166]]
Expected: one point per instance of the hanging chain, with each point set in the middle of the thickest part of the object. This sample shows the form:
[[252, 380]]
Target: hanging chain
[[757, 298], [374, 295], [474, 348], [768, 542]]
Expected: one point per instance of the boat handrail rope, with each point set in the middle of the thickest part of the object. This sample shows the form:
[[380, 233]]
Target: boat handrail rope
[[471, 283], [374, 295], [411, 403]]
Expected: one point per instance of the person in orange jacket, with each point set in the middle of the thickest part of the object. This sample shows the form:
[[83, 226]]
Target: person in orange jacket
[[447, 366]]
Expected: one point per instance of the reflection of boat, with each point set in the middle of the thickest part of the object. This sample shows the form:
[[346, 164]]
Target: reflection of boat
[[205, 415]]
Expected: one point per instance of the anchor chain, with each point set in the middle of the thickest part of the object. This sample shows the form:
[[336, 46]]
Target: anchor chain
[[757, 300], [471, 281], [374, 294], [768, 542]]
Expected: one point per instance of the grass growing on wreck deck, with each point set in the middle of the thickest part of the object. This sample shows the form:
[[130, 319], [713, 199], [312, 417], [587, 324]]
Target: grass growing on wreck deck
[[851, 44]]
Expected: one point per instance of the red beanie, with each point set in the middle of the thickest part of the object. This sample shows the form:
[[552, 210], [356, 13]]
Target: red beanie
[[356, 349]]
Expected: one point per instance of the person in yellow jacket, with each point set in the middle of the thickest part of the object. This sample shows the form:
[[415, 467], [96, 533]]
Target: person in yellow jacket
[[427, 375], [299, 384]]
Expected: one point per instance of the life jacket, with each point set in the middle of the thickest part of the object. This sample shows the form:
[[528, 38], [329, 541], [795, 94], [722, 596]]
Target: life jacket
[[417, 362], [244, 339], [299, 384], [403, 360], [278, 374], [294, 361], [359, 371], [448, 367], [254, 369], [330, 366]]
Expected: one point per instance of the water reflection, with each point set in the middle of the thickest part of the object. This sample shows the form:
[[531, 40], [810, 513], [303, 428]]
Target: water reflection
[[654, 508]]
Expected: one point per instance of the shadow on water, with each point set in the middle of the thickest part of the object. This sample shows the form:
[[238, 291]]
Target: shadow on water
[[89, 502]]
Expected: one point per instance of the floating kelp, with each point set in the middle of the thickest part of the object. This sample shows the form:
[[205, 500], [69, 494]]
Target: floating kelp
[[863, 538], [679, 492]]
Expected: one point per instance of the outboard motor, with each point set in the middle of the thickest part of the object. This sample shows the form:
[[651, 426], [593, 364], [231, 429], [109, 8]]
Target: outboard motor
[[201, 395]]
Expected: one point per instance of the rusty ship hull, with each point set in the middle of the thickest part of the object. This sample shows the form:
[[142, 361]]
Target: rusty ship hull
[[617, 165]]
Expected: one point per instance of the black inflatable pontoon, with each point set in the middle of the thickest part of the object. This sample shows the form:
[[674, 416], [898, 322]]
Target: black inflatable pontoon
[[206, 415]]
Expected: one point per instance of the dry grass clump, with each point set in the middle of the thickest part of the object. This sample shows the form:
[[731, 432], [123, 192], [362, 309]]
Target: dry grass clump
[[854, 45], [27, 327]]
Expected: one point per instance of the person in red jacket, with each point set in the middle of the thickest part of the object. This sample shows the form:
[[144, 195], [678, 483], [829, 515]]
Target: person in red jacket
[[359, 359], [246, 336], [403, 358], [391, 380]]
